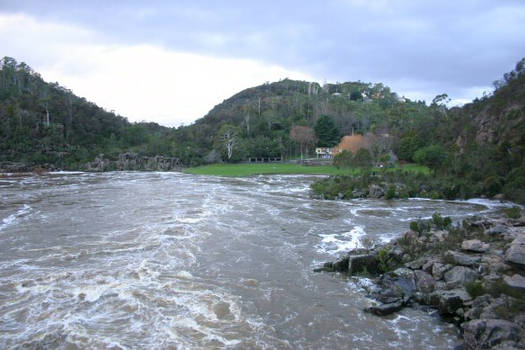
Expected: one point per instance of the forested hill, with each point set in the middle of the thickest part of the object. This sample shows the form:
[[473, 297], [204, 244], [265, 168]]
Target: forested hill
[[264, 118], [44, 122], [482, 143]]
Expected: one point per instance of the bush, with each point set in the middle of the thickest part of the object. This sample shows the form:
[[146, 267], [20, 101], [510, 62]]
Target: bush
[[475, 289], [391, 192], [344, 159], [492, 185], [513, 213], [440, 222], [432, 156]]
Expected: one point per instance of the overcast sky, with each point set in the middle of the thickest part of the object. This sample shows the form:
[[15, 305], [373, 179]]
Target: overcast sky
[[172, 61]]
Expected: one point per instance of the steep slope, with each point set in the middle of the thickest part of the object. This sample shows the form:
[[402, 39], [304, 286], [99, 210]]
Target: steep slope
[[43, 122]]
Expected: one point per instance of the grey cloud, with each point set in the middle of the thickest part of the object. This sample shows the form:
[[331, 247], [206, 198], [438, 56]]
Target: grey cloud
[[450, 46]]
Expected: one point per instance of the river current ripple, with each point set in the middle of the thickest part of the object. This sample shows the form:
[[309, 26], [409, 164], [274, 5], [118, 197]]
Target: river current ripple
[[142, 260]]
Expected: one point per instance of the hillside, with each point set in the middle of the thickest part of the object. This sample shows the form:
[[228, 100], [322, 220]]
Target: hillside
[[476, 150], [262, 118], [45, 123], [482, 143]]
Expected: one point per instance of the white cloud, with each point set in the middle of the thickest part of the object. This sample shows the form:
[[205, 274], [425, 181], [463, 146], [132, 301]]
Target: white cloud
[[141, 82]]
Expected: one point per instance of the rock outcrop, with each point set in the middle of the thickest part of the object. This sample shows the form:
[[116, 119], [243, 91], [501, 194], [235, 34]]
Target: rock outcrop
[[473, 274], [133, 161]]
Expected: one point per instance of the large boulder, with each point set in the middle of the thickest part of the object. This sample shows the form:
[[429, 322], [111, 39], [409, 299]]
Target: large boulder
[[516, 282], [375, 191], [488, 333], [424, 281], [474, 245], [516, 253], [497, 230], [463, 259], [396, 285], [460, 275], [386, 309], [363, 263], [439, 269], [449, 301]]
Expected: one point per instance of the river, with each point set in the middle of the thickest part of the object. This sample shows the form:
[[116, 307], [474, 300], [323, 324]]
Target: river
[[146, 260]]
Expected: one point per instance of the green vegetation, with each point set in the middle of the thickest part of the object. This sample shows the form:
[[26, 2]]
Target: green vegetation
[[475, 289], [268, 168], [478, 149], [513, 213]]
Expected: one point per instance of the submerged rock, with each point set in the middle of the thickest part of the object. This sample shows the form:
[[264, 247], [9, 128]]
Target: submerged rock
[[386, 309]]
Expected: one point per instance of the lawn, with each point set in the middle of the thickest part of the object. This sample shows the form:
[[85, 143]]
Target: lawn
[[283, 168]]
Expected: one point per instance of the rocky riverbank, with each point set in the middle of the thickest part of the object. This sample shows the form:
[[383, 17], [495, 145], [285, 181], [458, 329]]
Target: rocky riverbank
[[125, 162], [133, 161], [21, 168], [472, 273]]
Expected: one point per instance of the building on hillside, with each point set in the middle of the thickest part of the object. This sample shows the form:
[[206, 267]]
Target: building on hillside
[[324, 152]]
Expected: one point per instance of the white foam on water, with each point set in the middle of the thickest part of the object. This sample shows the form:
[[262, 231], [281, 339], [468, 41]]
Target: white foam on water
[[184, 275], [336, 243], [13, 218], [64, 172], [189, 220]]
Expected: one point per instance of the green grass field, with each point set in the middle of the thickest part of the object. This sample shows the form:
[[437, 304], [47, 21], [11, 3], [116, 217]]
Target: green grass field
[[284, 168]]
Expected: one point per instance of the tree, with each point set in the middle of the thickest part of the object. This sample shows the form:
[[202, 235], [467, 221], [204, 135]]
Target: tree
[[363, 158], [227, 138], [326, 132], [433, 156], [303, 135]]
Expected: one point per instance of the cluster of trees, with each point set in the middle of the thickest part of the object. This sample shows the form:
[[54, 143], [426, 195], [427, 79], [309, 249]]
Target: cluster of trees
[[290, 118], [478, 149], [483, 142], [44, 122]]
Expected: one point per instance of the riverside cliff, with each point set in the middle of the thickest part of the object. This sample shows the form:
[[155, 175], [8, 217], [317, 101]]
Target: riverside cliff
[[472, 273]]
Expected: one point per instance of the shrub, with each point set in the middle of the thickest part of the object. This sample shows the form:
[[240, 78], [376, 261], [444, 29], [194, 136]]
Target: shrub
[[440, 222], [492, 185], [433, 156], [384, 260], [513, 213], [391, 192], [475, 289]]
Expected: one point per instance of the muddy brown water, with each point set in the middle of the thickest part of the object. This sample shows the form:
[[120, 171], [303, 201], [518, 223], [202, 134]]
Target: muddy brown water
[[142, 260]]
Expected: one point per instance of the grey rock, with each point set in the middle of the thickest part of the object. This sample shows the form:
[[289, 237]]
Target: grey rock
[[463, 259], [487, 333], [516, 282], [507, 345], [396, 285], [448, 301], [474, 245], [439, 269], [416, 264], [497, 230], [362, 263], [440, 235], [460, 275], [375, 191], [424, 281], [386, 309], [516, 253]]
